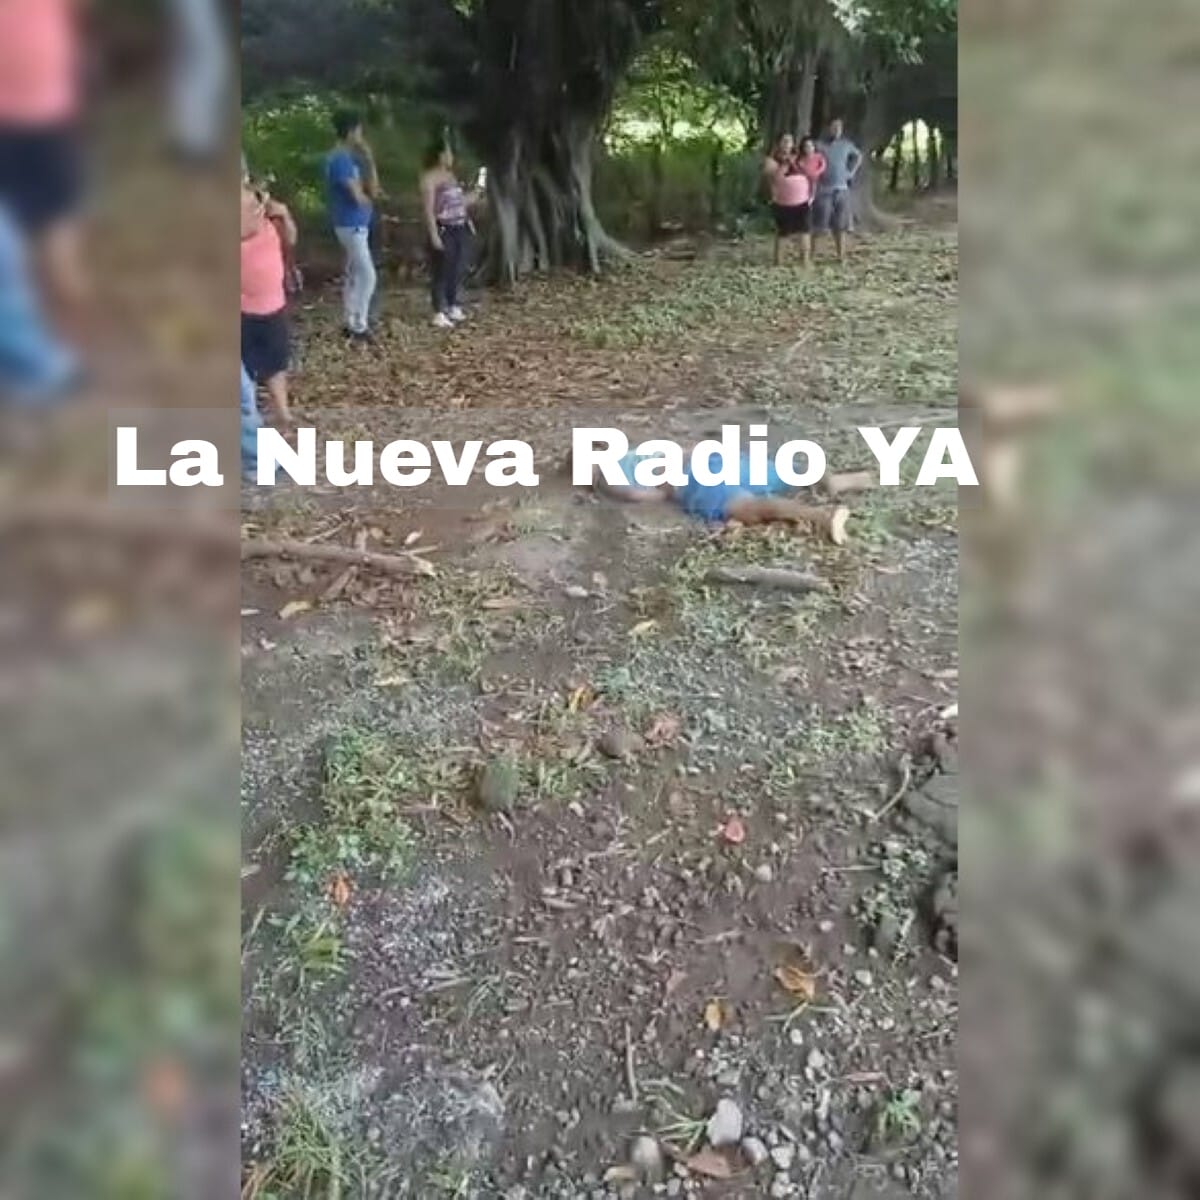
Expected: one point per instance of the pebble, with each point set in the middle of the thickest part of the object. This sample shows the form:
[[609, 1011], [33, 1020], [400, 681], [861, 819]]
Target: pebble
[[783, 1156], [674, 1186], [619, 743], [763, 873], [753, 1151], [835, 1141], [796, 1037], [825, 926], [647, 1157], [864, 977], [816, 1060], [781, 1186], [725, 1125]]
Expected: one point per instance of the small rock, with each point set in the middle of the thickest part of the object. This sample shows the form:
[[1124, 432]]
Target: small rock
[[753, 1151], [864, 977], [887, 934], [674, 1186], [646, 1156], [619, 743], [725, 1125], [496, 785], [796, 1037], [825, 926], [763, 873], [816, 1060], [835, 1141], [783, 1156], [781, 1186]]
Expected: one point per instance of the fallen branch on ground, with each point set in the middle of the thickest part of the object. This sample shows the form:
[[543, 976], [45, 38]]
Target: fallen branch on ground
[[390, 564], [906, 779], [772, 577], [630, 1070]]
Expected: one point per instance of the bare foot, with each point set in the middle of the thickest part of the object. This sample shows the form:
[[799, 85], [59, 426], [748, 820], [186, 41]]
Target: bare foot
[[837, 525]]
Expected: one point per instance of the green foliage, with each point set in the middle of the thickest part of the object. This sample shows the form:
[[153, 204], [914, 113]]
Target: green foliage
[[360, 829], [899, 1117], [666, 101]]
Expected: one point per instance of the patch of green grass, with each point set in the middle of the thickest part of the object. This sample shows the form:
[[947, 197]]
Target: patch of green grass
[[315, 1154], [311, 946], [899, 1117], [366, 775], [819, 742], [449, 1182]]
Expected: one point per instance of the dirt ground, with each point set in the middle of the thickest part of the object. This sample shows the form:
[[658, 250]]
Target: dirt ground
[[559, 850]]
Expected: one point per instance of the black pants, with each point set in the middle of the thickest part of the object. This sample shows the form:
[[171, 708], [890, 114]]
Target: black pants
[[448, 266]]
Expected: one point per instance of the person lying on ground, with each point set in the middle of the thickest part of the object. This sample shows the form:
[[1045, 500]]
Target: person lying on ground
[[447, 209], [744, 502], [791, 198], [267, 229]]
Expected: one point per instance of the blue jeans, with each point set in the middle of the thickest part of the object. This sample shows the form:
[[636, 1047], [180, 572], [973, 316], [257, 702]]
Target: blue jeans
[[251, 422], [359, 286], [36, 369]]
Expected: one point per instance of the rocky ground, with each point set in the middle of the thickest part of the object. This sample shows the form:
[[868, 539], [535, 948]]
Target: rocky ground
[[570, 873]]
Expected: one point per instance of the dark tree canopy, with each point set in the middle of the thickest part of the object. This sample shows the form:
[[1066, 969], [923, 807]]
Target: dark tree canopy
[[531, 83]]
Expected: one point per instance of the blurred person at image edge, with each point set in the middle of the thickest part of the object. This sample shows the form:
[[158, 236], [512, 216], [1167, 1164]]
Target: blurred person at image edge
[[41, 161]]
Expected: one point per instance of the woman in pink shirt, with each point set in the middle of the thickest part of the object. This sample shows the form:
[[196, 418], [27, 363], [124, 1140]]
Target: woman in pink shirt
[[811, 161], [41, 170], [267, 227], [791, 198]]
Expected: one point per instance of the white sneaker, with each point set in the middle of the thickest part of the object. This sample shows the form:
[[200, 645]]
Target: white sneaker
[[456, 314], [442, 321]]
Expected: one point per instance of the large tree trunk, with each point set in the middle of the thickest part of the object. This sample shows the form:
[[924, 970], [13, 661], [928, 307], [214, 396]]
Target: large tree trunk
[[543, 211], [806, 93]]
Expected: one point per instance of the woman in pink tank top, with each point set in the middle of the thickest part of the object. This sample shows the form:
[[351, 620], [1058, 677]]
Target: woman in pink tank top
[[41, 176], [791, 198]]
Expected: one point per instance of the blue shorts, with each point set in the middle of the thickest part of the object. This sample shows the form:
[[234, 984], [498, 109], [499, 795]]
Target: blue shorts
[[712, 501]]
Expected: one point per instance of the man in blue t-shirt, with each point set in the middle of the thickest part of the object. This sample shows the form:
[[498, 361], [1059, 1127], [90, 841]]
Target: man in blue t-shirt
[[832, 203], [352, 186]]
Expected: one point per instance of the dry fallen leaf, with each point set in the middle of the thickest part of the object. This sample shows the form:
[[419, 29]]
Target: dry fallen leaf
[[165, 1086], [339, 890], [339, 585], [664, 729], [643, 627], [499, 603], [709, 1162], [622, 1174], [734, 830], [293, 608], [797, 981], [716, 1014], [581, 697]]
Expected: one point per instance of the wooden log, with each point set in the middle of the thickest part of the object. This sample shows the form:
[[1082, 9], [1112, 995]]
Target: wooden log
[[772, 577], [389, 564]]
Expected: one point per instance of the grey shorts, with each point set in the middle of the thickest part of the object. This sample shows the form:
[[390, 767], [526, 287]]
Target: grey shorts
[[831, 211]]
